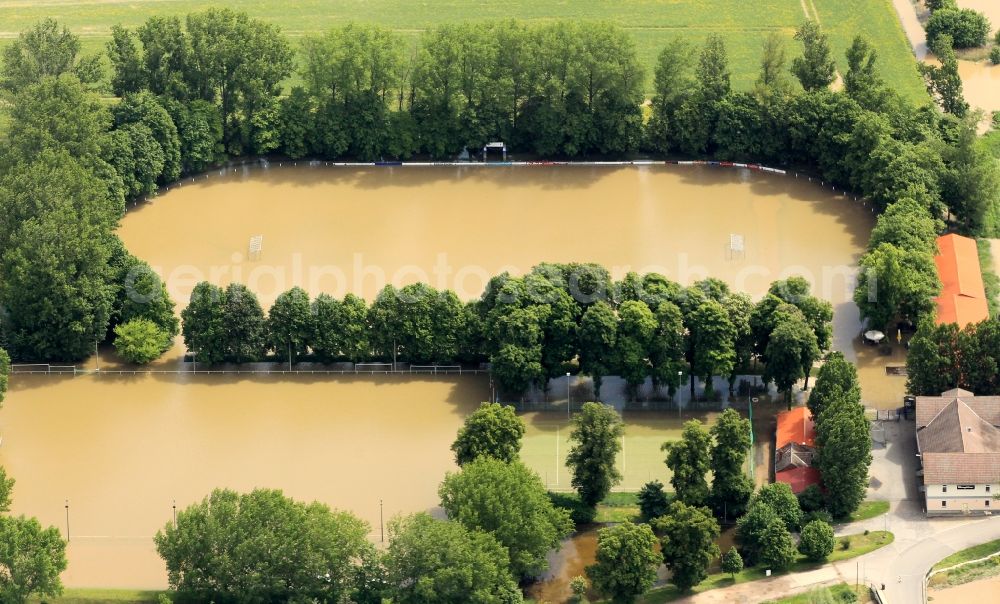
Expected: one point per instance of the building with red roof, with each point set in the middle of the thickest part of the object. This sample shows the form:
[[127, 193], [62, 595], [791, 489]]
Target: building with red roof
[[963, 297], [794, 449]]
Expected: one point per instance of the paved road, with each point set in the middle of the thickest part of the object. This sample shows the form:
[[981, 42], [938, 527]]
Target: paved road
[[911, 27]]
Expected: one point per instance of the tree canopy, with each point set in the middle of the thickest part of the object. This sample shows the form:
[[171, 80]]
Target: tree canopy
[[596, 437], [493, 430], [432, 560], [261, 546], [508, 501]]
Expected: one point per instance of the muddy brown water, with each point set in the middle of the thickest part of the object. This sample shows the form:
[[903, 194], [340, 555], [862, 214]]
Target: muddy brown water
[[580, 551], [122, 450]]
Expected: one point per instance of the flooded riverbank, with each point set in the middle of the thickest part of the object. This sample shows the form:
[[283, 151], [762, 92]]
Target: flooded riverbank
[[340, 230], [122, 450]]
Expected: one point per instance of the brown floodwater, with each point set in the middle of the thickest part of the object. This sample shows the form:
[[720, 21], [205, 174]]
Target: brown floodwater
[[121, 450], [340, 230], [580, 551]]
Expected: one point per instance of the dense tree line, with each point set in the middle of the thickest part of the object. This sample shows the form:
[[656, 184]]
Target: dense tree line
[[561, 89], [942, 357], [198, 90], [529, 328]]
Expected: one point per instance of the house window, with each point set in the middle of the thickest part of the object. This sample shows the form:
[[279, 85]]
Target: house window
[[987, 488], [944, 504], [987, 503], [944, 488], [966, 487]]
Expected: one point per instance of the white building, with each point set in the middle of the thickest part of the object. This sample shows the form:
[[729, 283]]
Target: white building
[[958, 439]]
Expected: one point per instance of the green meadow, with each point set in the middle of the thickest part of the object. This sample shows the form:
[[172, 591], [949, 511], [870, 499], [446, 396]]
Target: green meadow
[[652, 23]]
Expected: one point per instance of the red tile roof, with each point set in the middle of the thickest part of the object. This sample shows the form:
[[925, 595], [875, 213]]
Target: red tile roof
[[963, 297], [798, 478], [795, 426]]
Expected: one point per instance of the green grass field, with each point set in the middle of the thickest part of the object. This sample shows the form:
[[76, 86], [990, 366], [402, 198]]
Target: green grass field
[[652, 22], [99, 596], [546, 443], [973, 553]]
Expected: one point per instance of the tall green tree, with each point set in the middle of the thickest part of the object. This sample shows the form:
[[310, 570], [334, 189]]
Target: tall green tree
[[340, 328], [782, 500], [4, 376], [837, 378], [943, 81], [596, 437], [261, 546], [144, 109], [32, 558], [862, 81], [55, 278], [438, 561], [45, 50], [713, 341], [626, 561], [773, 79], [791, 351], [204, 325], [673, 83], [244, 328], [492, 430], [907, 225], [127, 73], [843, 438], [896, 284], [653, 500], [636, 330], [140, 341], [509, 501], [689, 459], [239, 62], [731, 487], [817, 542], [687, 543], [290, 325], [598, 338], [764, 538], [666, 355], [815, 69]]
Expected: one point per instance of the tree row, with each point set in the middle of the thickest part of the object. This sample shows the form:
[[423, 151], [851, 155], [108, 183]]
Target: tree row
[[558, 318]]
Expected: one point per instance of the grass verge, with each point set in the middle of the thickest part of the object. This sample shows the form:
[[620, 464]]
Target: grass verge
[[869, 509], [837, 593], [98, 596], [972, 553], [618, 507], [990, 280], [967, 574]]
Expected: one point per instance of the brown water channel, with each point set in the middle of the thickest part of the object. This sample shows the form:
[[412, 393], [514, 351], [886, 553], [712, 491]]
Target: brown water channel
[[123, 449]]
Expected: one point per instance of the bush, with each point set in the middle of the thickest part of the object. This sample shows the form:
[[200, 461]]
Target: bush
[[816, 542], [933, 5], [652, 500], [579, 512], [845, 543], [578, 585], [967, 27], [823, 515], [811, 499], [995, 55], [140, 341], [732, 562]]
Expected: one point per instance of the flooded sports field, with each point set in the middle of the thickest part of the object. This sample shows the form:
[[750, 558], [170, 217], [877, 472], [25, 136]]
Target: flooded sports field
[[122, 450]]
